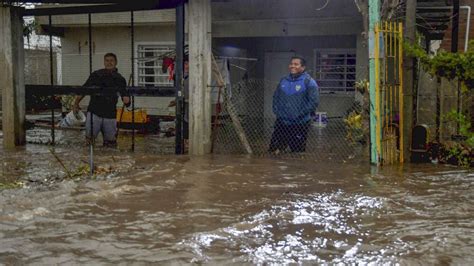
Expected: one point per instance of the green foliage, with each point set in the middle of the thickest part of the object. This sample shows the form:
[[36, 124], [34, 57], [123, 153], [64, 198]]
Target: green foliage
[[457, 154], [465, 127], [445, 64], [11, 185], [362, 86], [67, 101], [459, 151], [29, 28]]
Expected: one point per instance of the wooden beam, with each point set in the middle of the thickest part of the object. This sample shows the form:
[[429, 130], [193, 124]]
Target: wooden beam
[[293, 27], [199, 17], [436, 36], [409, 93], [44, 90], [12, 62], [55, 31], [432, 27], [89, 2], [179, 80], [217, 76], [72, 10]]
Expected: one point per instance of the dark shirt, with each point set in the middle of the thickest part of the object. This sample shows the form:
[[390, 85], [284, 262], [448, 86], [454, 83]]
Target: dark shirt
[[106, 105]]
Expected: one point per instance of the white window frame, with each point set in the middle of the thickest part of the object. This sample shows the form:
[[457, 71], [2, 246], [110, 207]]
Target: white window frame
[[137, 67], [318, 73]]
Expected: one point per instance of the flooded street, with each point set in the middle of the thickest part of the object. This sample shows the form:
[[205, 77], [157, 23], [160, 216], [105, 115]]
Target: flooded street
[[146, 208]]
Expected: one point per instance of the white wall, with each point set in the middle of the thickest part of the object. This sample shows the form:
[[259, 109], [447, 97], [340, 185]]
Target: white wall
[[75, 57]]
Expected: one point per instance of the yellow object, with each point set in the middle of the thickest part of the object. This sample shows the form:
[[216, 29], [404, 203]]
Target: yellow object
[[389, 91], [126, 116]]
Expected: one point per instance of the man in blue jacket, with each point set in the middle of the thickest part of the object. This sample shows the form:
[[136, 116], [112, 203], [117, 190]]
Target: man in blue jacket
[[295, 99]]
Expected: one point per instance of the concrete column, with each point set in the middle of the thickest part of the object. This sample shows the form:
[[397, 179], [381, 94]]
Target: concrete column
[[12, 84], [199, 17], [374, 18]]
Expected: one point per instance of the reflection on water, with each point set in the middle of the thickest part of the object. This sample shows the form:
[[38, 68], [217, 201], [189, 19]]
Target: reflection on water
[[219, 209]]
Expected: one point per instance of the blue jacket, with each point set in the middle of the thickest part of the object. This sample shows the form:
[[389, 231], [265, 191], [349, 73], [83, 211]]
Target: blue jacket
[[295, 99]]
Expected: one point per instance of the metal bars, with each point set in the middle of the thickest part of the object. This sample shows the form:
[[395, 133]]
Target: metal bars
[[51, 75], [389, 92]]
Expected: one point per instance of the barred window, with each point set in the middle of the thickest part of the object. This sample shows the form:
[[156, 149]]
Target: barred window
[[335, 70], [149, 63]]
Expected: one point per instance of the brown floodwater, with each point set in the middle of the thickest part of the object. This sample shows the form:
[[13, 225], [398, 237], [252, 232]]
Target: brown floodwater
[[151, 208]]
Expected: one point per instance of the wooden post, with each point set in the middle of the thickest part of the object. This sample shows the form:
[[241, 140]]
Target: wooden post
[[179, 73], [199, 17], [12, 83], [408, 77], [374, 18], [230, 108]]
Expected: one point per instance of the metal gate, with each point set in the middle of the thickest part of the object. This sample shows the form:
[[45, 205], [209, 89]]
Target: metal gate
[[389, 91]]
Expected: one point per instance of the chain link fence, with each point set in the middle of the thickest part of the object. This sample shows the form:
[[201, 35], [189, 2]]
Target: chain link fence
[[336, 132]]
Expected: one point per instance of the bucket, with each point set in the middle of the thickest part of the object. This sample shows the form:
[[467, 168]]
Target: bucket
[[73, 119], [320, 119]]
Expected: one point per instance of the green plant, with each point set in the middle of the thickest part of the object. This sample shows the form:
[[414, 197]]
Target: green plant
[[361, 86], [465, 127], [11, 185], [356, 132], [28, 29], [445, 64], [67, 101], [458, 154], [460, 150]]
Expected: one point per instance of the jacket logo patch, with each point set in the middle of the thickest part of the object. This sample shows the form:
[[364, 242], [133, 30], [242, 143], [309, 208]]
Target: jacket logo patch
[[298, 87]]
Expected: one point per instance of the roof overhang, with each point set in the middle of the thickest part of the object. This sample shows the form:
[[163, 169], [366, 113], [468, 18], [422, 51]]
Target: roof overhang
[[93, 6]]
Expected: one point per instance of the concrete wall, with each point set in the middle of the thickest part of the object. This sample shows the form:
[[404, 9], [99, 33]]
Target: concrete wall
[[305, 46], [426, 105], [428, 87], [37, 70], [37, 67]]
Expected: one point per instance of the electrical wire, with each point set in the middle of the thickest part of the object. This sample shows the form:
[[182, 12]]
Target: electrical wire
[[323, 7]]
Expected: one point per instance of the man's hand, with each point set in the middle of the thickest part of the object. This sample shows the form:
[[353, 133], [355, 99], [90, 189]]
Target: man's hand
[[76, 108], [172, 104]]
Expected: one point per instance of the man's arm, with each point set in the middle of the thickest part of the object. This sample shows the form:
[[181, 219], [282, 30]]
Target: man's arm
[[89, 82], [75, 106], [312, 96], [276, 100]]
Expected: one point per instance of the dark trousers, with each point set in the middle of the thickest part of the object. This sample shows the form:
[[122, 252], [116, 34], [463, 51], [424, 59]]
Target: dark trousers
[[289, 135]]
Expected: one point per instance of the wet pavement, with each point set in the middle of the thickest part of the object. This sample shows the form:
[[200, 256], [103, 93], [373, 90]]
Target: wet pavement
[[150, 208]]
